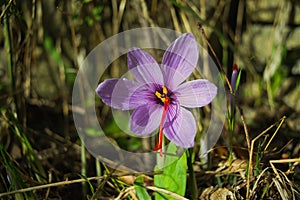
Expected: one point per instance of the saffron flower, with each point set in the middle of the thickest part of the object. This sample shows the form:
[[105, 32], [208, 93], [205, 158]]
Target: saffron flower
[[160, 97]]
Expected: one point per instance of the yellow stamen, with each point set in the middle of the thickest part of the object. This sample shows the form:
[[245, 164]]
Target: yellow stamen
[[162, 96], [165, 91], [158, 95]]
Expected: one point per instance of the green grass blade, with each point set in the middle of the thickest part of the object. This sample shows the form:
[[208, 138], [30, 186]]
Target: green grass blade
[[140, 190], [238, 81], [13, 175], [26, 146]]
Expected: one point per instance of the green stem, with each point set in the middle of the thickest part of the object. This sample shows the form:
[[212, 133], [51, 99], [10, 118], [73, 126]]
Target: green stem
[[192, 178], [231, 130]]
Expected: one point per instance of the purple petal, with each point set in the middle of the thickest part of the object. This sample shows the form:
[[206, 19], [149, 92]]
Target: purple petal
[[235, 91], [120, 93], [144, 67], [146, 118], [181, 128], [180, 60], [196, 93]]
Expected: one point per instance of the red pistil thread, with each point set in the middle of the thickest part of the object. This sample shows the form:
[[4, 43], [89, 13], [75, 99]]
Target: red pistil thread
[[158, 145]]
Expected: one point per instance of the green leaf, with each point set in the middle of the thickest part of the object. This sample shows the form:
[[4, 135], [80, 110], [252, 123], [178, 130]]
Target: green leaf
[[237, 81], [173, 177], [140, 189]]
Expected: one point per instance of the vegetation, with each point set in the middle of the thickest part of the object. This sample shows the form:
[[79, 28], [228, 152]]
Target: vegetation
[[43, 44]]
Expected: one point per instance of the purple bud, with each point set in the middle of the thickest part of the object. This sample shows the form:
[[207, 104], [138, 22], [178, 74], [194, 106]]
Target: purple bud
[[233, 84], [234, 77]]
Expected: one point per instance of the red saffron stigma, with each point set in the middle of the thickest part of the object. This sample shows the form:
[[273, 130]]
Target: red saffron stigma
[[158, 145]]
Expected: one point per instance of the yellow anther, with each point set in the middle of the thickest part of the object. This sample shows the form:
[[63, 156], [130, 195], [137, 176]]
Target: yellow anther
[[165, 91], [158, 95], [162, 96]]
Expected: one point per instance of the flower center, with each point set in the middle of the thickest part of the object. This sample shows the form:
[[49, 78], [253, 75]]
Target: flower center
[[163, 96]]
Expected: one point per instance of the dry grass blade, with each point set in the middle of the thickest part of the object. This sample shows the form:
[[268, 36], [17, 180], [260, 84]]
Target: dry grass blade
[[285, 187], [5, 9], [63, 183], [270, 186], [128, 191], [252, 148], [296, 161], [39, 187], [171, 194]]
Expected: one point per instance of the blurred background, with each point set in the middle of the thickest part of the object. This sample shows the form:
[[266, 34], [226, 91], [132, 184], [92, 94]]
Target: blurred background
[[43, 44]]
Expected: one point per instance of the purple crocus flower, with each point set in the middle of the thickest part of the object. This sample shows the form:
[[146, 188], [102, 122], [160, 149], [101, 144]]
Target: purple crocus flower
[[159, 97]]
